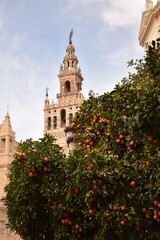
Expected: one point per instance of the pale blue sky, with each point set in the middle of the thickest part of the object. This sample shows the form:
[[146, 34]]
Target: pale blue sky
[[33, 39]]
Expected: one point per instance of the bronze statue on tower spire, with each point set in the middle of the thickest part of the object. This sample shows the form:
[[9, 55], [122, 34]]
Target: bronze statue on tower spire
[[70, 36]]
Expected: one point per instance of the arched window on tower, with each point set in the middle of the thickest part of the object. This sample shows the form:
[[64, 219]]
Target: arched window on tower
[[55, 122], [67, 86], [3, 145], [63, 118], [70, 118], [49, 123]]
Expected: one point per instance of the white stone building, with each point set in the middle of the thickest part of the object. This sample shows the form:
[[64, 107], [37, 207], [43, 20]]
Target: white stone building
[[150, 23]]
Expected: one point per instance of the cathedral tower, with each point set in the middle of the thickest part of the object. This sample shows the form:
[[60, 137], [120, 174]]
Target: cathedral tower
[[150, 23], [7, 141], [58, 116], [8, 146]]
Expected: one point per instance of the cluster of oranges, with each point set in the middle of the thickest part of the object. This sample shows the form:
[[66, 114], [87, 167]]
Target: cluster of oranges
[[155, 213], [34, 172]]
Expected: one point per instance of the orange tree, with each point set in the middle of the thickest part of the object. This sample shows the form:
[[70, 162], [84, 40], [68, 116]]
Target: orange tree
[[109, 186], [31, 193], [112, 183]]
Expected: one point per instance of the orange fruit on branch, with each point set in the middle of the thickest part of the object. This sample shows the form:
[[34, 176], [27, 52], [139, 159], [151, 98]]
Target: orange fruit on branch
[[118, 141], [133, 184], [30, 174], [122, 222]]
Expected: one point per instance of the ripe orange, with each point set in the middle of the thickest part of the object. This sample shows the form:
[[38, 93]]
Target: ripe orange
[[107, 214], [147, 216], [45, 169], [95, 117], [30, 174], [155, 217], [91, 143], [63, 221], [150, 137], [89, 129], [122, 222], [118, 141], [123, 208], [144, 209], [46, 159], [21, 154], [66, 221], [98, 133], [133, 184], [121, 136], [155, 202], [91, 212], [115, 208], [108, 134], [72, 210]]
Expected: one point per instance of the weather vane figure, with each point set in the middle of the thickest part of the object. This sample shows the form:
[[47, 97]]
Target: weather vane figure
[[47, 89], [70, 36]]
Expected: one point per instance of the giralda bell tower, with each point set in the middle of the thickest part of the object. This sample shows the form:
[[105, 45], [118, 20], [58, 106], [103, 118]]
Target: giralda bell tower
[[58, 116]]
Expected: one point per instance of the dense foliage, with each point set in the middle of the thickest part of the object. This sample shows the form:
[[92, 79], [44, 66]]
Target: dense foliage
[[32, 183], [109, 186]]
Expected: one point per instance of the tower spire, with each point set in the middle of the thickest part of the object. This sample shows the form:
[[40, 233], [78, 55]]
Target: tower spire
[[148, 5]]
